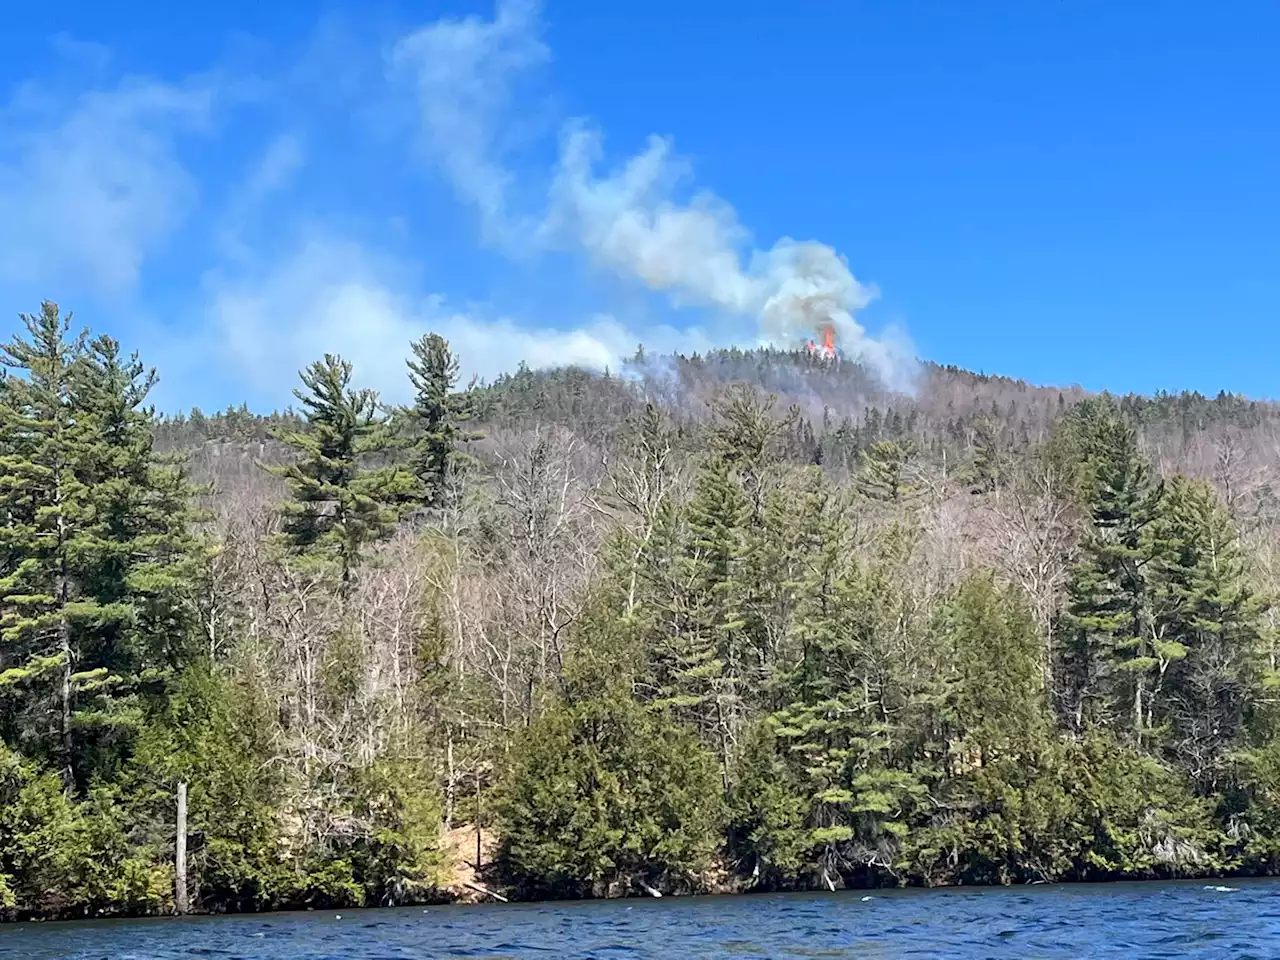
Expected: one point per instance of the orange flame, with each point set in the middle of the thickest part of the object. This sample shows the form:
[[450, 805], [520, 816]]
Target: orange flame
[[828, 349]]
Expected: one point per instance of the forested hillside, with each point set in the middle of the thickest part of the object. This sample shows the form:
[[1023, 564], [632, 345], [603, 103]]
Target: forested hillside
[[730, 622]]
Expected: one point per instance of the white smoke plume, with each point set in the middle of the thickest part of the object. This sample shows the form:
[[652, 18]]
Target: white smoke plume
[[628, 221], [627, 224]]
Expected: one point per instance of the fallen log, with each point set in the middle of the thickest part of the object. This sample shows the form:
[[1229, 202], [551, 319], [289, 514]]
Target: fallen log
[[485, 890]]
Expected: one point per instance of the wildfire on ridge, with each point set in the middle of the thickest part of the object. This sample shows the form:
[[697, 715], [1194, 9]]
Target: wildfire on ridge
[[828, 349]]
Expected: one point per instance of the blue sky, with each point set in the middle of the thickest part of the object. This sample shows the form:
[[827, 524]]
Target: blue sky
[[1068, 192]]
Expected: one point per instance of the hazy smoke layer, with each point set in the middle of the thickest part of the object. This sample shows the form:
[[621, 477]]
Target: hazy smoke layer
[[461, 69]]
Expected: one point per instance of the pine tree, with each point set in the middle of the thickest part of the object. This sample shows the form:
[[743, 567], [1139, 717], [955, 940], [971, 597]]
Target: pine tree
[[745, 435], [43, 503], [437, 419], [700, 662], [833, 730], [990, 456], [136, 555], [339, 501], [1112, 655], [1205, 609], [98, 544], [781, 551], [884, 471], [993, 697]]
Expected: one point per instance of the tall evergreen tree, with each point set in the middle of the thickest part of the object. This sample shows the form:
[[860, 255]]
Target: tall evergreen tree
[[1112, 656], [340, 501], [990, 454], [136, 555], [43, 505], [993, 698], [437, 418], [94, 610], [834, 730], [701, 659], [1000, 809], [745, 435], [1205, 608], [884, 471]]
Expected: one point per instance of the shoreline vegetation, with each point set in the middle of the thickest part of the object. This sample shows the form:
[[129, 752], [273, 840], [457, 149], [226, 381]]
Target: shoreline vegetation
[[742, 621]]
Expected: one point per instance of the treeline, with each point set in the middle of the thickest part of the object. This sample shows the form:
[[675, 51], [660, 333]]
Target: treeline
[[652, 632], [832, 693]]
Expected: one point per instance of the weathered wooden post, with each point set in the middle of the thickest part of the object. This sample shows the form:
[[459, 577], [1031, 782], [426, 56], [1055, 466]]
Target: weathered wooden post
[[180, 854]]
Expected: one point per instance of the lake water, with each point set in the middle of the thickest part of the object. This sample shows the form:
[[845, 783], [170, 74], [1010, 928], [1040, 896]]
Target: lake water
[[1134, 920]]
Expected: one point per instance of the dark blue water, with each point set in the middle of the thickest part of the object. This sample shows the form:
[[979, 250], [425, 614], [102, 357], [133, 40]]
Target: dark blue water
[[1133, 920]]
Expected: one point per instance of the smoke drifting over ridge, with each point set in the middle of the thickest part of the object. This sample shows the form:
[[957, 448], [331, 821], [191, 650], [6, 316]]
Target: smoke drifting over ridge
[[628, 222]]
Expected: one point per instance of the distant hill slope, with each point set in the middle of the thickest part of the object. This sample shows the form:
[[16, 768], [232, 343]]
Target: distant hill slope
[[842, 409]]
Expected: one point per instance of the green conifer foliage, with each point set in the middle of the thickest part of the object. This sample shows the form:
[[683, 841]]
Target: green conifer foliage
[[94, 611], [135, 555], [1113, 658], [1001, 808], [603, 794], [43, 506], [701, 661], [994, 696], [990, 454], [745, 436], [1206, 612], [341, 498], [834, 731], [437, 419], [768, 833], [758, 671], [884, 471]]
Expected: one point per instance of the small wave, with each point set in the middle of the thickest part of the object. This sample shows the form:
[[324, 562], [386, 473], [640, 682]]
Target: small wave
[[1220, 889]]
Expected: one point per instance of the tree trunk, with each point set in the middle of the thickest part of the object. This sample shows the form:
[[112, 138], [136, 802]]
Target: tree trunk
[[63, 591], [450, 785], [180, 854], [64, 645], [478, 827], [1137, 706]]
